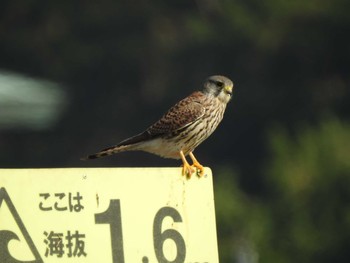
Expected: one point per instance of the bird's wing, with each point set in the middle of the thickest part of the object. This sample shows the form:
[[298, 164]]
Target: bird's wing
[[179, 116], [182, 114]]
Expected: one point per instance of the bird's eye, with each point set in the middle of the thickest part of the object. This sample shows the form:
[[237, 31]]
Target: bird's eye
[[220, 84]]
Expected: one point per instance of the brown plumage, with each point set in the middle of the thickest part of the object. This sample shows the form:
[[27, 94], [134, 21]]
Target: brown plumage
[[183, 127]]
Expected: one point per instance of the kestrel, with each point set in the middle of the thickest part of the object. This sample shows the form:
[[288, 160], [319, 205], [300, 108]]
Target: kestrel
[[183, 127]]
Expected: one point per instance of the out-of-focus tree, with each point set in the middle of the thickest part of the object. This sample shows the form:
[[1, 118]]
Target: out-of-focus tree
[[306, 214], [309, 183]]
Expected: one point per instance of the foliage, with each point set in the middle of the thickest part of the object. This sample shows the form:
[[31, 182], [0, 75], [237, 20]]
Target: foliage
[[306, 214], [310, 182]]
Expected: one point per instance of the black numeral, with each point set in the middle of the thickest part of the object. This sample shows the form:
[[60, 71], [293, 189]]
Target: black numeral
[[159, 237], [112, 216]]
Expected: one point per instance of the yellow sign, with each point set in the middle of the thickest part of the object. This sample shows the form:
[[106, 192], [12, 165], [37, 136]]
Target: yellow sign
[[106, 215]]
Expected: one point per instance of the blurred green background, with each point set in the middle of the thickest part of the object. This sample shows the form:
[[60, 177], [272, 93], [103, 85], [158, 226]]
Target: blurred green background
[[78, 76]]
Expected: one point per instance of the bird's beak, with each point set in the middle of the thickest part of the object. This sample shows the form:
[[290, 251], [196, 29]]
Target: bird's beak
[[228, 89]]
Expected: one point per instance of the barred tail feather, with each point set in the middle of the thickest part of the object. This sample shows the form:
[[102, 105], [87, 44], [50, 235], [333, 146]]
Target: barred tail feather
[[130, 144], [109, 151]]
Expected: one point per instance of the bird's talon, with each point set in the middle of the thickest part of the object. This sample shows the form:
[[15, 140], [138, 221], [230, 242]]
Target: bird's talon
[[200, 172], [197, 165], [199, 169], [187, 171]]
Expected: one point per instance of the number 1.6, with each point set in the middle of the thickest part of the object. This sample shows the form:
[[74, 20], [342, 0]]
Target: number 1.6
[[112, 216]]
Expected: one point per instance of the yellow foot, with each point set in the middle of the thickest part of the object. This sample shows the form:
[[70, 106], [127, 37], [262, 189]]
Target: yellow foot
[[196, 164], [187, 170], [200, 169]]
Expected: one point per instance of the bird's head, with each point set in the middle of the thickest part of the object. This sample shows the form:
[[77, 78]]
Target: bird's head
[[219, 87]]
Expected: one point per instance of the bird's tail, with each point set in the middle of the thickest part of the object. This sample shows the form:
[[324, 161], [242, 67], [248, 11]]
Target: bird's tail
[[111, 150], [131, 144]]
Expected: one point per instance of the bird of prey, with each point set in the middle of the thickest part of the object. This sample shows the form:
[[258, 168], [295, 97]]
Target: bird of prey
[[188, 123]]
